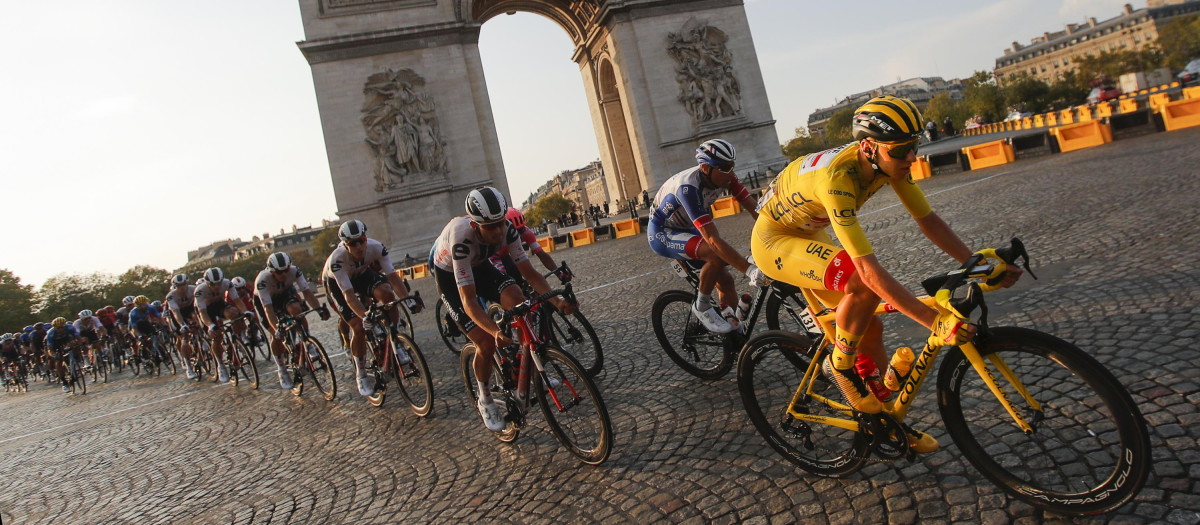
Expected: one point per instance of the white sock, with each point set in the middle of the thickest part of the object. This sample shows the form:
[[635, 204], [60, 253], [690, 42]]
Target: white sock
[[703, 302], [485, 393]]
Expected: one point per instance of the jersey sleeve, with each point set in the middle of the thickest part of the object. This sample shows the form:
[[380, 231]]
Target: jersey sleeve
[[512, 240], [838, 195], [530, 239], [341, 274], [912, 198], [385, 261], [260, 288], [301, 282], [689, 198], [738, 191]]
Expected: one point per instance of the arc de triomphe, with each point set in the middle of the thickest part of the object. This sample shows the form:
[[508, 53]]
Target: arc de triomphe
[[408, 125]]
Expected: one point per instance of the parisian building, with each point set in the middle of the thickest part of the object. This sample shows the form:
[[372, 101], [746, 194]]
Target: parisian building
[[920, 90]]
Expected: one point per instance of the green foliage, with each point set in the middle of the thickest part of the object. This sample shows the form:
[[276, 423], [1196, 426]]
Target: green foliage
[[246, 267], [1179, 41], [942, 106], [1108, 66], [837, 130], [548, 208], [325, 242], [803, 144], [983, 97], [65, 295], [1025, 93], [139, 280], [16, 302]]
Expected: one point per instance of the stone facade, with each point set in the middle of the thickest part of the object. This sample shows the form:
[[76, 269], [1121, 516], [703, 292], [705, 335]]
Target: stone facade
[[408, 125], [1049, 57]]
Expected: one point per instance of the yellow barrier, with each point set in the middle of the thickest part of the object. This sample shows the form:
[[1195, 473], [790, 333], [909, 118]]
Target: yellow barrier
[[1158, 100], [583, 237], [989, 154], [627, 228], [1085, 114], [1039, 121], [1155, 89], [1051, 119], [1181, 114], [419, 271], [1082, 135], [1129, 105], [921, 169], [1104, 109], [726, 207], [1143, 91], [1173, 85], [547, 243], [1027, 123], [1192, 92], [1066, 116]]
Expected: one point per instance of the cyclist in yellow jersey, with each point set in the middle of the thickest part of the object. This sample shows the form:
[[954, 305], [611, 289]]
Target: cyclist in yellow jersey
[[827, 188]]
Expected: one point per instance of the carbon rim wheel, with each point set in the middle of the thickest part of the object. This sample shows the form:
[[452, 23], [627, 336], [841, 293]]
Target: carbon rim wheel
[[321, 370], [574, 334], [574, 408], [685, 340], [413, 378], [495, 383]]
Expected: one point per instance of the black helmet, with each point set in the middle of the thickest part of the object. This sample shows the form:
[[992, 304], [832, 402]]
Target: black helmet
[[887, 119]]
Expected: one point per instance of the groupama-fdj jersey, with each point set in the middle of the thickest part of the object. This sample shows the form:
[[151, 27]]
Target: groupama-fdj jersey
[[682, 206], [813, 192]]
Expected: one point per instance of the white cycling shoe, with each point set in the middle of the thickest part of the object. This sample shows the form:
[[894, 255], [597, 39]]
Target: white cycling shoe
[[712, 320], [222, 373], [285, 379], [493, 419], [366, 386]]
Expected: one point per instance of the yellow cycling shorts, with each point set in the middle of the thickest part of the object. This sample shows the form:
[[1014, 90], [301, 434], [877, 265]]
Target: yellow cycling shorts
[[805, 259]]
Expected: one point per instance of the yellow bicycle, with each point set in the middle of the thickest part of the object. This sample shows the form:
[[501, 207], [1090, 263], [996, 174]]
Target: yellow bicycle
[[1034, 414]]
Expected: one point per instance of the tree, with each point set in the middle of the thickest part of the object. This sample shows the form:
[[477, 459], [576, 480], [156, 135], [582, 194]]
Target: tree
[[1110, 65], [982, 97], [803, 144], [16, 302], [1179, 41], [942, 106], [65, 295], [139, 280], [326, 241], [837, 129], [1025, 93], [548, 209]]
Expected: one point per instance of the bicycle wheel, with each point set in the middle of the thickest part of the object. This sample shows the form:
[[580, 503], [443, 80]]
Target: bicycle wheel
[[102, 370], [241, 365], [495, 383], [696, 350], [414, 380], [406, 321], [79, 381], [574, 334], [320, 369], [1090, 450], [450, 333], [783, 309], [573, 407], [168, 360], [770, 370]]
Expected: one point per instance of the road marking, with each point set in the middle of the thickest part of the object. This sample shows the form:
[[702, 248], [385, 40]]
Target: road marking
[[93, 418]]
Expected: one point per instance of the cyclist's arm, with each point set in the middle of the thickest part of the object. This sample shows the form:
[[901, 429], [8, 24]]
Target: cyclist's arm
[[539, 283], [546, 259], [311, 299], [272, 319], [940, 233], [890, 290], [398, 284], [744, 197], [726, 252], [470, 303]]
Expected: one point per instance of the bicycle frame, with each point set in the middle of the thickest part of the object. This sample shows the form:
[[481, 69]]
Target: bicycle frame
[[907, 393], [530, 340]]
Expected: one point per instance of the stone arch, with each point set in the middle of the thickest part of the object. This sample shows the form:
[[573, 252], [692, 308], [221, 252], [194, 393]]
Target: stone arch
[[620, 145], [567, 14]]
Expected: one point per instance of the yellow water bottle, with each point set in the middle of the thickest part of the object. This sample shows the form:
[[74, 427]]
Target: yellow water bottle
[[898, 369]]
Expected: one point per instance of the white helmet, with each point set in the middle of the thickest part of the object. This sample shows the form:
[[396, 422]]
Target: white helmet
[[127, 300], [238, 282], [214, 275], [351, 230], [718, 153], [85, 313], [280, 261], [6, 338], [180, 279], [486, 205]]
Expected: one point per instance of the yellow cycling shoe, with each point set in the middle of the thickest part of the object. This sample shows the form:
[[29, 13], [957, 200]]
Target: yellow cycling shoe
[[920, 442]]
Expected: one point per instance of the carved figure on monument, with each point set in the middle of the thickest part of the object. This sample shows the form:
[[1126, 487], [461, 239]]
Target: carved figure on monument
[[708, 89], [400, 121]]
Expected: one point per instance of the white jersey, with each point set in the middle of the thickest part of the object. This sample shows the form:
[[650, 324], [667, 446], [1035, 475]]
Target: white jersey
[[459, 248], [340, 266], [207, 293], [90, 325], [178, 298], [266, 284]]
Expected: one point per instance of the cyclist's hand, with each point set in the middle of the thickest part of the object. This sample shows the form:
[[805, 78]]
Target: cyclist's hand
[[412, 304], [564, 275], [324, 314], [502, 340], [212, 329], [950, 330], [278, 334], [757, 277], [566, 307], [1003, 276], [368, 325]]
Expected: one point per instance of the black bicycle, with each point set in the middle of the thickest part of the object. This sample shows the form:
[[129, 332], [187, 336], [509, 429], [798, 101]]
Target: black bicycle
[[709, 355], [392, 355], [306, 356]]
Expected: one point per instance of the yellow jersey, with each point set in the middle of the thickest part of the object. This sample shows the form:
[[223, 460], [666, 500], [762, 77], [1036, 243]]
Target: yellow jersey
[[825, 189]]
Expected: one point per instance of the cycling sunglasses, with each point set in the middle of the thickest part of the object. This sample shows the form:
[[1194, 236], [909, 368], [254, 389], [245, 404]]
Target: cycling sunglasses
[[356, 242], [901, 151]]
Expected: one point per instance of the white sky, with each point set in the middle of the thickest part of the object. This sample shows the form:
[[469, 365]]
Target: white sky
[[134, 131]]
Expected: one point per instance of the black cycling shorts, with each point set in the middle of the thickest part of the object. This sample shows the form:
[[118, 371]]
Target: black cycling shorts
[[279, 302], [490, 282], [363, 284], [216, 310]]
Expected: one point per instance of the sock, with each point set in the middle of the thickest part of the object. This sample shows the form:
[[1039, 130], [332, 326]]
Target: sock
[[485, 394], [703, 302], [846, 349]]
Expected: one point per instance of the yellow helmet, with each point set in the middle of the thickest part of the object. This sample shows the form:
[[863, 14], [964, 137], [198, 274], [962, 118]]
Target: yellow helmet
[[59, 322], [887, 119], [141, 300]]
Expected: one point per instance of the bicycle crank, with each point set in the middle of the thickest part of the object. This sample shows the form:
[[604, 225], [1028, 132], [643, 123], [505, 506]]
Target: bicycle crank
[[888, 439]]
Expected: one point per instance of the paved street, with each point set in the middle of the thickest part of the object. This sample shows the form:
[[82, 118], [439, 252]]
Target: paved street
[[1113, 235]]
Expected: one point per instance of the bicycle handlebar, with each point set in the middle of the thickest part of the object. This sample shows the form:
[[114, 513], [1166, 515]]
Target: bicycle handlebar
[[942, 286], [524, 308]]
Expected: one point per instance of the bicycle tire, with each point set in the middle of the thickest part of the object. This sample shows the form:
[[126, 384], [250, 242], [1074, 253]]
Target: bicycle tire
[[320, 371], [788, 304], [580, 424], [1090, 452], [406, 318], [495, 383], [102, 370], [78, 378], [169, 360], [241, 366], [583, 345], [685, 340], [414, 380], [771, 368], [452, 342]]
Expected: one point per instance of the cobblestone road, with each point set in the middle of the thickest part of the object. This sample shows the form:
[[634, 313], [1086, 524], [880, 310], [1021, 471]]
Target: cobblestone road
[[1113, 235]]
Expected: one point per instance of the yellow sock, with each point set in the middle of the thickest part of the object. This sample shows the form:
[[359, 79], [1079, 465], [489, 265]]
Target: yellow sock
[[845, 349]]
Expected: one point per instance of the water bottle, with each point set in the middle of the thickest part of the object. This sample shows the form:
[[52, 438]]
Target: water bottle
[[743, 308], [898, 369]]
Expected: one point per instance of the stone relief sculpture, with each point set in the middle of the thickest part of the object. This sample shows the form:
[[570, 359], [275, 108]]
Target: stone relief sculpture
[[402, 128], [708, 89]]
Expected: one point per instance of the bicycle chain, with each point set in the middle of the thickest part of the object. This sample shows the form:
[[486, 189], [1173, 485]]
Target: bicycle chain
[[887, 421]]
